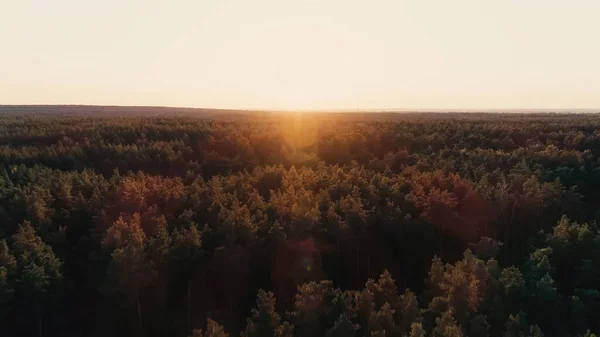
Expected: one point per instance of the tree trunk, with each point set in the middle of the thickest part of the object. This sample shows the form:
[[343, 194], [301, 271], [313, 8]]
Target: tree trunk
[[510, 224], [139, 309], [39, 318], [369, 264], [357, 268], [189, 304]]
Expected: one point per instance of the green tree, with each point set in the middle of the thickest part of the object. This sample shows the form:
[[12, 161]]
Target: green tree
[[384, 290], [38, 269], [446, 326], [435, 278], [7, 270], [263, 320], [186, 260], [465, 288], [517, 326], [408, 310], [130, 270], [382, 322], [343, 327]]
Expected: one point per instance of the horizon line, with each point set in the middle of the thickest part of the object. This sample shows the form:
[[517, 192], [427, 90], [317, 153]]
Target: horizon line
[[374, 110]]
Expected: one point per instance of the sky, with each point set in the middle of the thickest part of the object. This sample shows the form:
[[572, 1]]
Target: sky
[[302, 54]]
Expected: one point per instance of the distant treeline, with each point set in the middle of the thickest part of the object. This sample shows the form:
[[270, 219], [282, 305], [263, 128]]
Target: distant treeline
[[139, 221]]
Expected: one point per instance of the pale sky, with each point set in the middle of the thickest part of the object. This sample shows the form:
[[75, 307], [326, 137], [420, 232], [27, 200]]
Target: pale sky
[[302, 54]]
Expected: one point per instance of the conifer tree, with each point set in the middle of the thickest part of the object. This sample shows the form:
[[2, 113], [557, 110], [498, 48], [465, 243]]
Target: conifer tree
[[38, 269], [263, 320]]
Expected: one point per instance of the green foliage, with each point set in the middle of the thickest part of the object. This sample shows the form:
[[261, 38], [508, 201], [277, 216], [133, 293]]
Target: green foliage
[[464, 288], [517, 326], [382, 321], [446, 326], [343, 328], [264, 320], [7, 270], [149, 225], [36, 263]]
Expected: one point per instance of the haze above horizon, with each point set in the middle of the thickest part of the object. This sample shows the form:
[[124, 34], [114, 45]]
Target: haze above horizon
[[294, 55]]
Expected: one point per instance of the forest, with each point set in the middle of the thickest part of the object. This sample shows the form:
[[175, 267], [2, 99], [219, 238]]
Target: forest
[[186, 222]]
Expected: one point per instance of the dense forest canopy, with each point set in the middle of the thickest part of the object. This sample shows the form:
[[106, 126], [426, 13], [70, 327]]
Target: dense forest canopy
[[161, 222]]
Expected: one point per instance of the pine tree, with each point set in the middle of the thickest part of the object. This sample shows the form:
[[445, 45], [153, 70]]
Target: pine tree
[[186, 257], [263, 320], [130, 270], [285, 330], [6, 258], [463, 287], [7, 270], [277, 235], [385, 290], [517, 326], [37, 269], [435, 278], [535, 331], [546, 312], [160, 244], [416, 330], [343, 327], [446, 326], [213, 329], [382, 321], [158, 256], [310, 305], [408, 311]]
